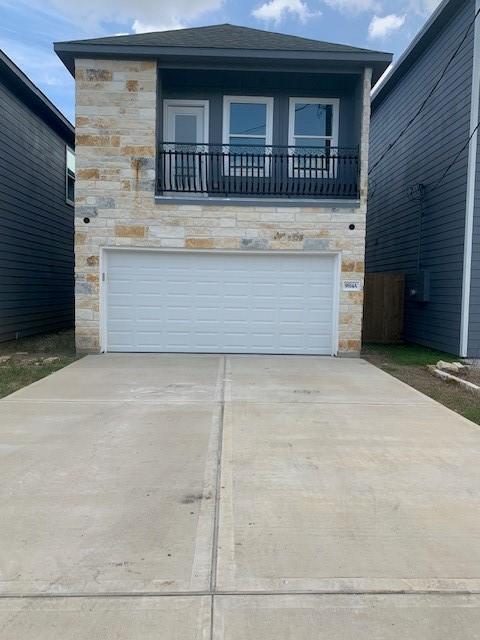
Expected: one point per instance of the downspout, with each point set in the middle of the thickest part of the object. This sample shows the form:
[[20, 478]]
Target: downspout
[[470, 199]]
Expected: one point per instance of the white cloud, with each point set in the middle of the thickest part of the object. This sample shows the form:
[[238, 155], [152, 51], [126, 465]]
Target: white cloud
[[381, 27], [276, 10], [42, 21], [142, 15], [423, 7], [140, 27], [354, 6]]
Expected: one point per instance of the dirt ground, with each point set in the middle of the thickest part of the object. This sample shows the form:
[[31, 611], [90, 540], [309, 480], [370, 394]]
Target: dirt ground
[[409, 364]]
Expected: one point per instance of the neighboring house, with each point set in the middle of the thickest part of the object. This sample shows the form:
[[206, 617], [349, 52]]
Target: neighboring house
[[221, 191], [424, 200], [37, 176]]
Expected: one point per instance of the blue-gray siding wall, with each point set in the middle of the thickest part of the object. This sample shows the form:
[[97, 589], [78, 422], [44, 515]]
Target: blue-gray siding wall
[[213, 85], [36, 224], [474, 325], [399, 237]]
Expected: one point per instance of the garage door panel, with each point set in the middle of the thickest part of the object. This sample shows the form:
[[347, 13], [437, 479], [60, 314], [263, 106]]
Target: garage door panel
[[122, 314], [121, 339], [213, 302], [317, 315], [178, 314], [122, 287]]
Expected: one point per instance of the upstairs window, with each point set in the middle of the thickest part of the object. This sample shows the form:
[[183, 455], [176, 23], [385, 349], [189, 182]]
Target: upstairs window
[[247, 130], [313, 123], [70, 176], [313, 136]]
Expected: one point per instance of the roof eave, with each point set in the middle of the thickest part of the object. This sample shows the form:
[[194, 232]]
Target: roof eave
[[68, 52], [38, 101]]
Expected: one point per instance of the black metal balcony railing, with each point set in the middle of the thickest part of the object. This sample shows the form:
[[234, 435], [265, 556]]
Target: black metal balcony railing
[[257, 171]]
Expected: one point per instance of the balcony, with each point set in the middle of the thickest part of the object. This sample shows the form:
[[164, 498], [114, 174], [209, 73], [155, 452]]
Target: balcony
[[244, 171]]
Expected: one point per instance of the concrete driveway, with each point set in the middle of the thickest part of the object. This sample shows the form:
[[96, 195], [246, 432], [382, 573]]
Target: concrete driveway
[[177, 497]]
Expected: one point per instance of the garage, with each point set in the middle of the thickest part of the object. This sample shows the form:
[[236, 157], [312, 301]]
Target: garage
[[212, 302]]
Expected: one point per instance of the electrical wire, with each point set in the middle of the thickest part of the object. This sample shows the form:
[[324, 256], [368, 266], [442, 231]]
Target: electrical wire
[[444, 174], [429, 95]]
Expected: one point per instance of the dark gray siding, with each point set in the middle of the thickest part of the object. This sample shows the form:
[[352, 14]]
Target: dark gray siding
[[213, 85], [474, 327], [36, 224], [404, 234]]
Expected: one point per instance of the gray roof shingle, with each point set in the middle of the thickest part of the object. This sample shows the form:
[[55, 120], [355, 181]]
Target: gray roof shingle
[[223, 36]]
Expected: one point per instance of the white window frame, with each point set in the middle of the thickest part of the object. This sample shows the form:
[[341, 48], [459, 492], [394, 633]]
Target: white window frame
[[67, 199], [335, 103], [268, 101]]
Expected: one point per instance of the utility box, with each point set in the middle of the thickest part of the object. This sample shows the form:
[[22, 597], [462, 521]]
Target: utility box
[[421, 292], [383, 307]]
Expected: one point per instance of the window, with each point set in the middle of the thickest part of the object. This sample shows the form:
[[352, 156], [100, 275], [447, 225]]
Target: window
[[313, 134], [70, 176], [247, 130]]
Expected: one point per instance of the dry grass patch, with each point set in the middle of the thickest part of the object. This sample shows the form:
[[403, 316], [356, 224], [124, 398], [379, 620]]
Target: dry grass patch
[[29, 359]]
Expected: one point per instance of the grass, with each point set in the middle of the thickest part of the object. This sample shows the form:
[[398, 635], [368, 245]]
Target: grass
[[408, 354], [409, 362], [27, 359]]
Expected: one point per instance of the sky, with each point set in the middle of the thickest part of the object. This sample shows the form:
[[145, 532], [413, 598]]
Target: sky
[[29, 27]]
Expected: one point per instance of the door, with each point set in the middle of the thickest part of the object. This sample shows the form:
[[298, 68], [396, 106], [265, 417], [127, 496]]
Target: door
[[186, 134], [220, 302]]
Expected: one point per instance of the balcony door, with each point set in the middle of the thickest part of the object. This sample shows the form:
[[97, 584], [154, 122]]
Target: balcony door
[[185, 138]]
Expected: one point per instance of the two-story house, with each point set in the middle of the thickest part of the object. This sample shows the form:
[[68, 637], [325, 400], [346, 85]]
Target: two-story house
[[424, 202], [37, 178], [221, 191]]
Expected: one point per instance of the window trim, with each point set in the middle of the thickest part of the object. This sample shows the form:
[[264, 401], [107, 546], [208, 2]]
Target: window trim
[[318, 174], [335, 102], [67, 199], [227, 101]]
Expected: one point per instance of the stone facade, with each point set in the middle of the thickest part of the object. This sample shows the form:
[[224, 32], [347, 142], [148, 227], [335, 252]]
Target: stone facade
[[115, 155]]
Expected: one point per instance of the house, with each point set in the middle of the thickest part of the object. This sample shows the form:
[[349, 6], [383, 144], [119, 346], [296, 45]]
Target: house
[[424, 203], [37, 174], [221, 191]]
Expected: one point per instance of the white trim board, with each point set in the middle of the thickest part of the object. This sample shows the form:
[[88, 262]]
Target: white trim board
[[470, 199]]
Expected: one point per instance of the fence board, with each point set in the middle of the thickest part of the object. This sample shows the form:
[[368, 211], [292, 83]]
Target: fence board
[[384, 307]]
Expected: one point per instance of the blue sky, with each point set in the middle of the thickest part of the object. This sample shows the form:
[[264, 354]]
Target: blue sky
[[28, 27]]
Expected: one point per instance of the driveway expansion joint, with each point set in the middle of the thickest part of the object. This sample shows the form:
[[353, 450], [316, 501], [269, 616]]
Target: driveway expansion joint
[[220, 399]]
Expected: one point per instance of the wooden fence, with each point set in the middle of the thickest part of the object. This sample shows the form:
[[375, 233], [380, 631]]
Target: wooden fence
[[383, 307]]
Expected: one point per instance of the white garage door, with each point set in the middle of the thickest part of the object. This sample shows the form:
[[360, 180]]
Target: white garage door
[[219, 302]]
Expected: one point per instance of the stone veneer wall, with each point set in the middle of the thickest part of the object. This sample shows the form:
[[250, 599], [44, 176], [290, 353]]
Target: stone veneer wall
[[115, 159]]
